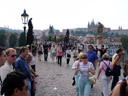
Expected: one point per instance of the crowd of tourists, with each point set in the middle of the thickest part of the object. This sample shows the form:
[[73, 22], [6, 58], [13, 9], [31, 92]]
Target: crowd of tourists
[[17, 74], [18, 68]]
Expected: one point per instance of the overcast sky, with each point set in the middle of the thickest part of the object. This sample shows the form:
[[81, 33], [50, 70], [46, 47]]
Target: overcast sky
[[63, 14]]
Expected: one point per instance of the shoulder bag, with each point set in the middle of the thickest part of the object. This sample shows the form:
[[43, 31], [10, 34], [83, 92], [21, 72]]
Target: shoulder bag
[[92, 78]]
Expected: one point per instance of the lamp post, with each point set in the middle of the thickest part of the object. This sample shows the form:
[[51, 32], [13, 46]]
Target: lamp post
[[24, 18]]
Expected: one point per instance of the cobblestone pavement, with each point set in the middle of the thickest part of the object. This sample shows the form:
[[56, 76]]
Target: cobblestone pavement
[[55, 80]]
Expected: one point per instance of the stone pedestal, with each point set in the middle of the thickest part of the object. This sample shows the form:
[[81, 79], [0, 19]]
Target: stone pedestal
[[99, 40]]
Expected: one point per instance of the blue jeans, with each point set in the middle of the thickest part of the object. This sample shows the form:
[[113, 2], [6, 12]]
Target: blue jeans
[[29, 85], [77, 84], [84, 87]]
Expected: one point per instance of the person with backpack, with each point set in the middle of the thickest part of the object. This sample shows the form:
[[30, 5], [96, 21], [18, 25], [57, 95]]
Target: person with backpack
[[105, 68]]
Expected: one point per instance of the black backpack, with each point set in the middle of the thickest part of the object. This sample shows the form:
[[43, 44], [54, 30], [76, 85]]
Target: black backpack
[[108, 71]]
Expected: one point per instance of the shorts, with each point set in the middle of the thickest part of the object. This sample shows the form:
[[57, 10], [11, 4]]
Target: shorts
[[40, 52], [75, 57], [53, 54]]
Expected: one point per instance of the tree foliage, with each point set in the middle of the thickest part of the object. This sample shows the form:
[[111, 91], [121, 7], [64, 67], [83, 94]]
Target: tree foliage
[[124, 41], [3, 38], [60, 39], [21, 40], [13, 40], [50, 38]]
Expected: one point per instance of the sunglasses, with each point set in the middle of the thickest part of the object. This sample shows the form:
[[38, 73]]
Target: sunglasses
[[84, 58], [13, 55]]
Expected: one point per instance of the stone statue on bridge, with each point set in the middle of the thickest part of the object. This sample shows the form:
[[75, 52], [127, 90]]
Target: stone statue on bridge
[[100, 31], [100, 28]]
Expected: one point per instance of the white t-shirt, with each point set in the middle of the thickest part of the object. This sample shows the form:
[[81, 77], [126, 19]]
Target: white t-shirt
[[33, 61], [68, 52], [75, 65], [5, 69], [83, 69], [53, 50]]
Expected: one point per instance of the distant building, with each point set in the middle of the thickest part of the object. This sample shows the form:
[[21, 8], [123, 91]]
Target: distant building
[[120, 31], [92, 25], [75, 30], [89, 38]]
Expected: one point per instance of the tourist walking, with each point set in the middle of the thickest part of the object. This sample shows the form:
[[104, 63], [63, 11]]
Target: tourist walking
[[59, 53], [53, 52], [78, 74], [105, 79], [84, 68], [102, 51], [92, 57], [68, 55], [75, 53], [39, 48], [116, 59], [45, 48]]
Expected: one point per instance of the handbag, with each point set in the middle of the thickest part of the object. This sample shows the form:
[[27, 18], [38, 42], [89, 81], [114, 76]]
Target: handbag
[[92, 78], [68, 55]]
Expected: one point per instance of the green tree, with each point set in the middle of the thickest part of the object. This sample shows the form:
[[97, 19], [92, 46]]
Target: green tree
[[3, 38], [124, 41], [13, 40], [47, 38], [60, 39], [52, 39], [21, 40]]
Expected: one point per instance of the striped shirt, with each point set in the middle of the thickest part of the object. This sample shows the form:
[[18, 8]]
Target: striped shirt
[[83, 69]]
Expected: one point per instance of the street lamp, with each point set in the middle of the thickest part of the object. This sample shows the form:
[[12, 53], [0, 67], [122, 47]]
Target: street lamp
[[24, 18]]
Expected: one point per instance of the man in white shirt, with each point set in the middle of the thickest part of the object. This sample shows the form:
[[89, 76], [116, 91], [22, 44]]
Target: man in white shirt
[[8, 66]]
